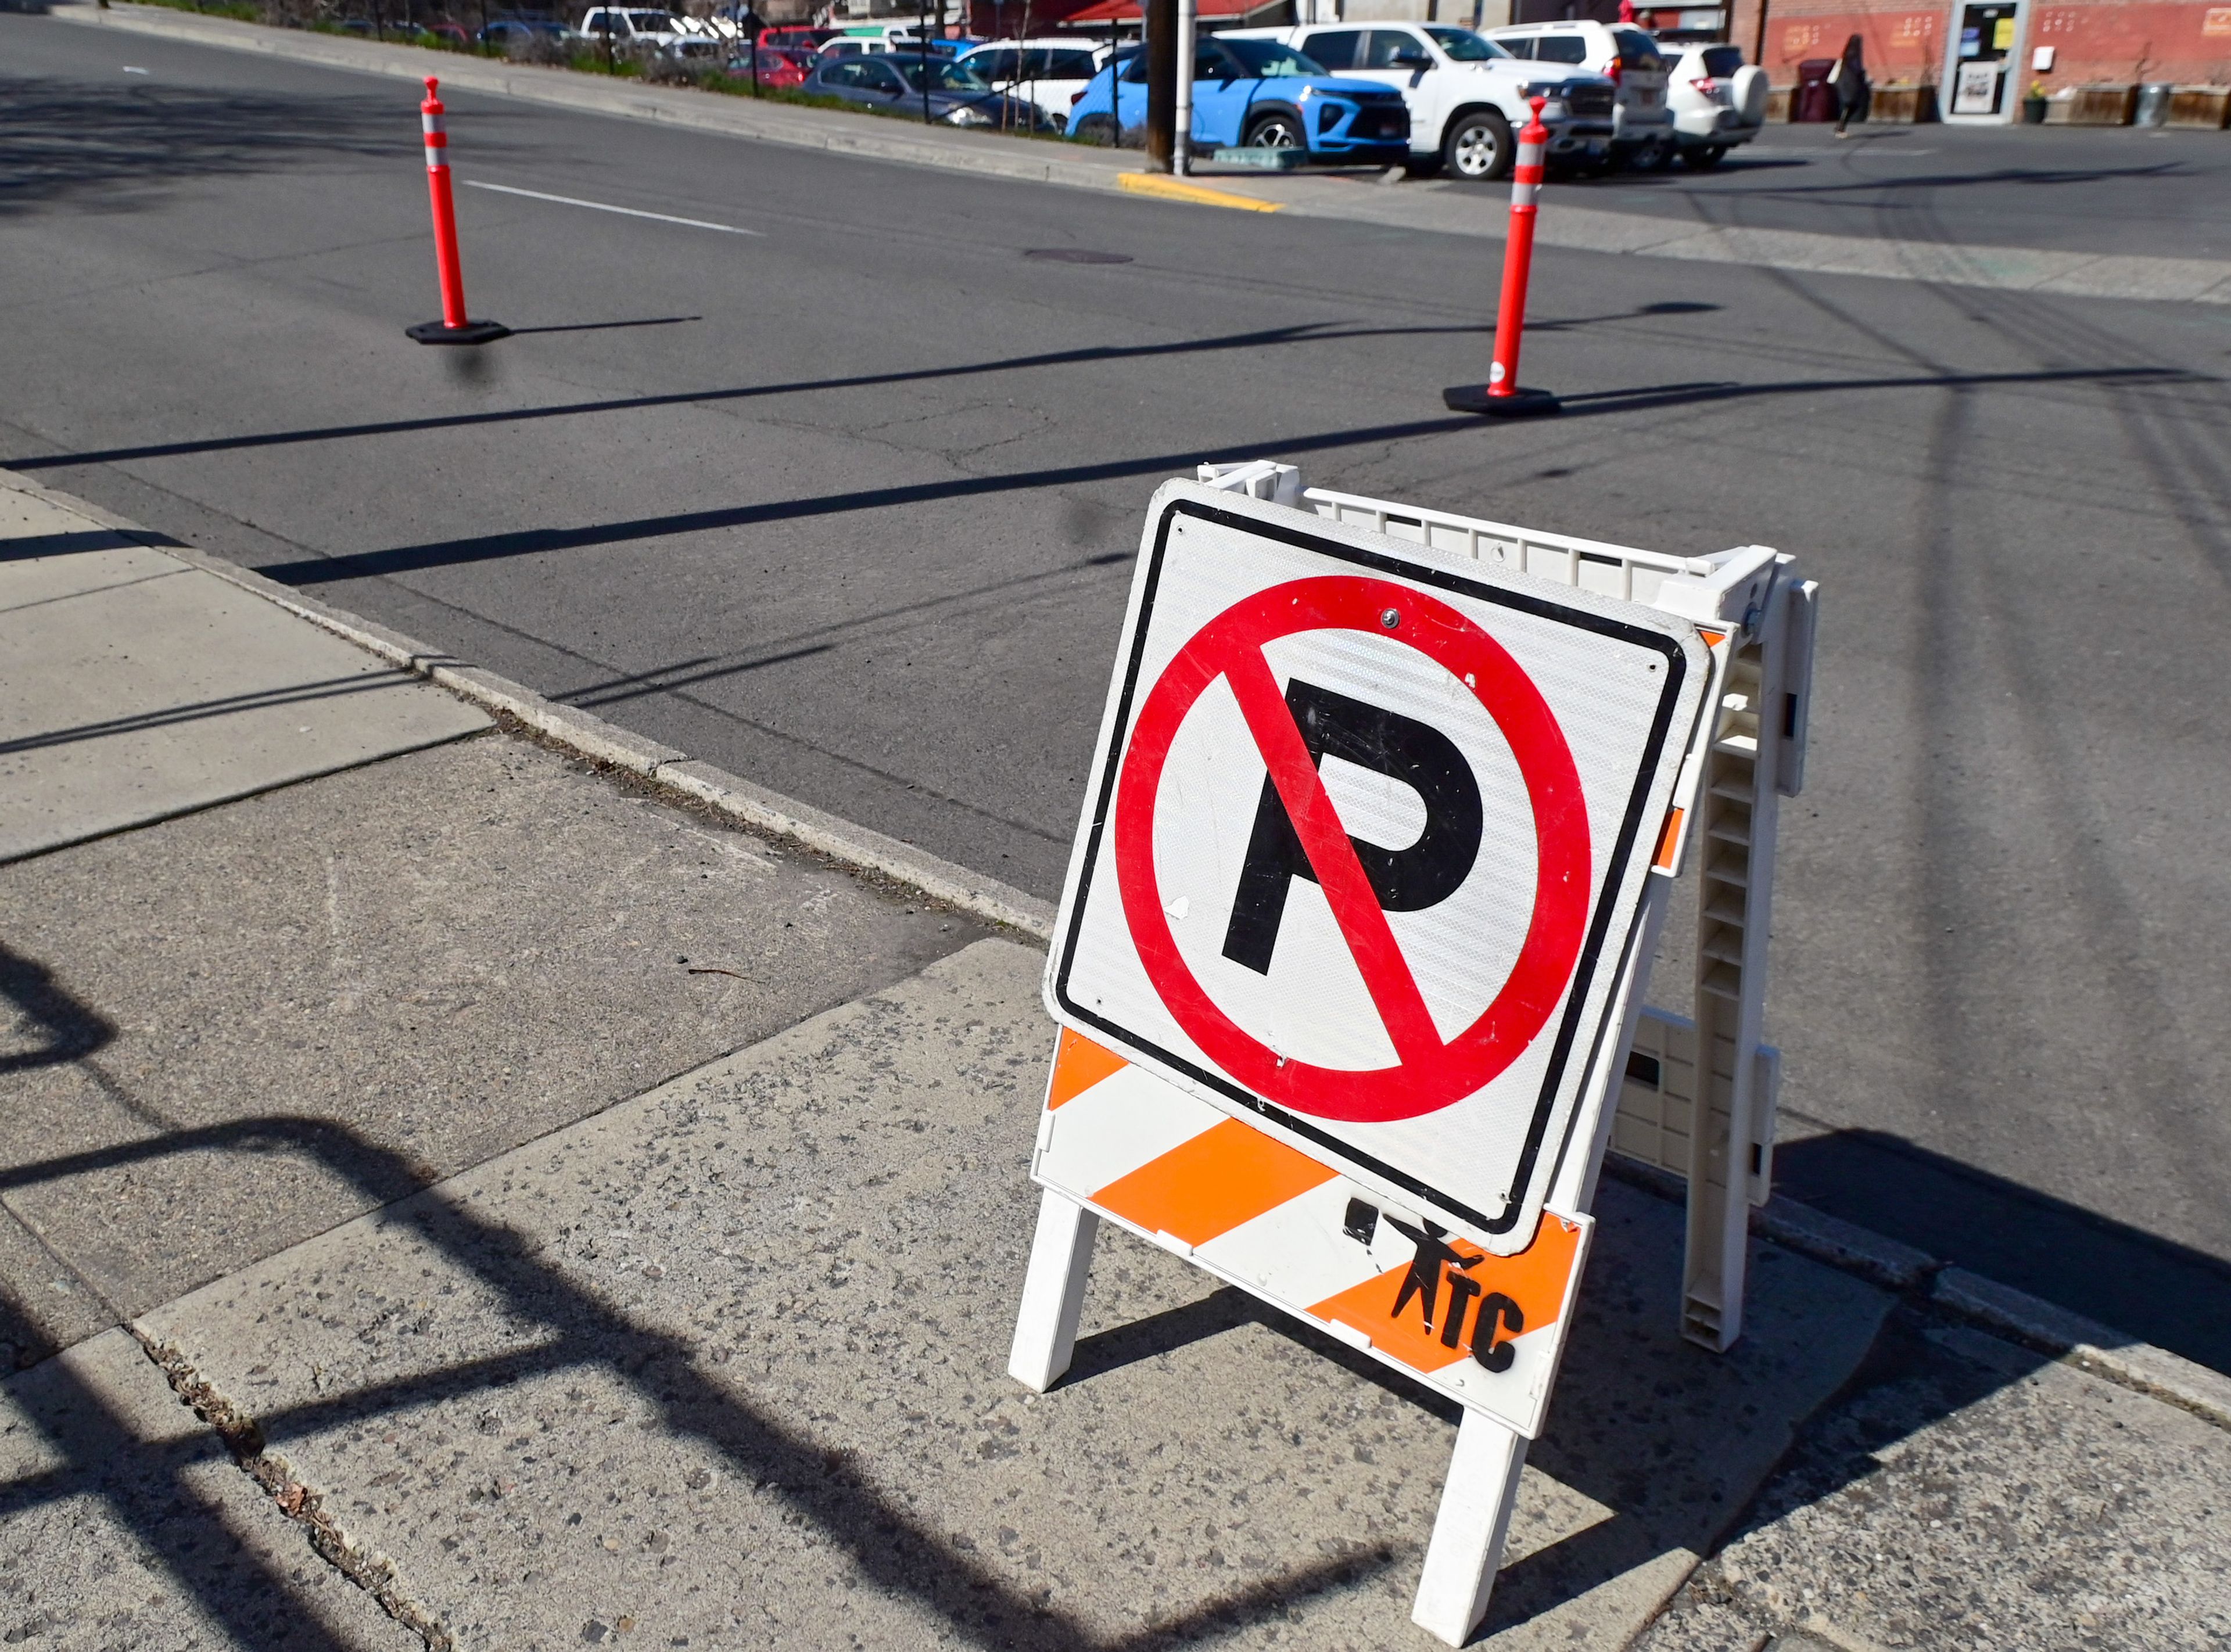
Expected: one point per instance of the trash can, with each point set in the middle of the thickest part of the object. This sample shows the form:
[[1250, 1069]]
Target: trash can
[[2153, 104], [1815, 97]]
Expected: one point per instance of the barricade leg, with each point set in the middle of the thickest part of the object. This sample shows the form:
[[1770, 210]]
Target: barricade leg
[[1053, 1293], [1467, 1550]]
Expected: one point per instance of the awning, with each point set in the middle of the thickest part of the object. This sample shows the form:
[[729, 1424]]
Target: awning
[[1108, 11]]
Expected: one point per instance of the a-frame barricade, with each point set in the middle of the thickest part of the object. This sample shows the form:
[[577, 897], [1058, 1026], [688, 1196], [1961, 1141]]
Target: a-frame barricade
[[1693, 1096]]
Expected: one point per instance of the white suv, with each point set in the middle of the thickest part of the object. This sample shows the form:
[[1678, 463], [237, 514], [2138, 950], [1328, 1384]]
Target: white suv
[[1467, 94], [1643, 124], [635, 29], [1052, 73], [1719, 100]]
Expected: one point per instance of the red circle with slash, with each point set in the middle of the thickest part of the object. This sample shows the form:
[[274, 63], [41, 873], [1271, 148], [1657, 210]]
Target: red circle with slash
[[1429, 1074]]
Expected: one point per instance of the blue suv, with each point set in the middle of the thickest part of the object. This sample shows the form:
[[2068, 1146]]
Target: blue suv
[[1256, 94]]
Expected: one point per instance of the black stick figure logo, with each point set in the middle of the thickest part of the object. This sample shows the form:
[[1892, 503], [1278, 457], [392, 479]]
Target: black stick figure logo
[[1423, 1279]]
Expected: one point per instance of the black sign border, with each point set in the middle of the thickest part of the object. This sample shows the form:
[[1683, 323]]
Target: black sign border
[[1599, 925]]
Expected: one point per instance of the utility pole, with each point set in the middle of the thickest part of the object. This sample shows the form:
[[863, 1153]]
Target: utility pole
[[1160, 20], [1181, 160]]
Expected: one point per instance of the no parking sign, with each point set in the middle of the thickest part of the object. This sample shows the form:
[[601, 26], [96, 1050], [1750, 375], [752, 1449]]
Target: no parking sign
[[1365, 846]]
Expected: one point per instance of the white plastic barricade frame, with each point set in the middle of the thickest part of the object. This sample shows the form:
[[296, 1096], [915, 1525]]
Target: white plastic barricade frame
[[1308, 1221]]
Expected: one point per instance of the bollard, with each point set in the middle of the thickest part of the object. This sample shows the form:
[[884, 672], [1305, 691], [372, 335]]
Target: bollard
[[453, 328], [1501, 396]]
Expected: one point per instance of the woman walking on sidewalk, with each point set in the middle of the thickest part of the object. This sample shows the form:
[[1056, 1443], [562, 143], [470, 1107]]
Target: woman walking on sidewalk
[[1849, 79]]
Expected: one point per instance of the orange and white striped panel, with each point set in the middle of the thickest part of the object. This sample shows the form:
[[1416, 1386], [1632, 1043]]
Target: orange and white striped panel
[[1484, 1329]]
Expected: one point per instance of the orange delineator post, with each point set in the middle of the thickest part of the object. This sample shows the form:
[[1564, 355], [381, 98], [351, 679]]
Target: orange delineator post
[[1501, 394], [454, 328]]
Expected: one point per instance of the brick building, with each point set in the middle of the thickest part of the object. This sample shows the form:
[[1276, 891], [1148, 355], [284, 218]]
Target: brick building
[[2091, 41]]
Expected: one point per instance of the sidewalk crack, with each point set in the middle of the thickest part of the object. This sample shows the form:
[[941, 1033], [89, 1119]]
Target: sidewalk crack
[[367, 1568]]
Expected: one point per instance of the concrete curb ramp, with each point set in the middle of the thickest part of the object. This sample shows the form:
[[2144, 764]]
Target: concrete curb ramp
[[1435, 208]]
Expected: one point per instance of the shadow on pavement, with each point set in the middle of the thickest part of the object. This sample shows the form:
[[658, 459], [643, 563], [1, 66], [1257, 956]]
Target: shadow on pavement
[[1298, 333], [119, 143], [51, 1026], [1302, 332], [606, 327], [1627, 1414], [444, 553], [887, 1544], [2152, 1290]]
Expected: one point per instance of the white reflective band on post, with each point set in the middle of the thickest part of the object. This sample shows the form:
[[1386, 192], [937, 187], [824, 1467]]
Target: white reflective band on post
[[437, 143], [1531, 154], [1521, 197]]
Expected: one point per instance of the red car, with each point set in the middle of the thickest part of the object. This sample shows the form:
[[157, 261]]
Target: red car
[[778, 69], [795, 39]]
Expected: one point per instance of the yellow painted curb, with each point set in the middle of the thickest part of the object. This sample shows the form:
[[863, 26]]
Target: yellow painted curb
[[1171, 189]]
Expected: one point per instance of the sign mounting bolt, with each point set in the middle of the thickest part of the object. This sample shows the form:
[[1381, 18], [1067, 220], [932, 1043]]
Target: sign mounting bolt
[[1390, 618]]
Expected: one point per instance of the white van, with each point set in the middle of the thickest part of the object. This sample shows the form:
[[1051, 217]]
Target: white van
[[1467, 96], [1643, 124]]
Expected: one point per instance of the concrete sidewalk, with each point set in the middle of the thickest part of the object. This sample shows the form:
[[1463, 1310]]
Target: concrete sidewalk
[[484, 1202], [1436, 205]]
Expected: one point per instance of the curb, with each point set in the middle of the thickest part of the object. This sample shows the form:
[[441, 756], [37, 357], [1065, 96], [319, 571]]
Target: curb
[[2001, 1309], [592, 738], [2016, 1316], [1171, 189]]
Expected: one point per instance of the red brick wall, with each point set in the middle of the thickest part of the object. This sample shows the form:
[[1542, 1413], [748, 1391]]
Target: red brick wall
[[2119, 41]]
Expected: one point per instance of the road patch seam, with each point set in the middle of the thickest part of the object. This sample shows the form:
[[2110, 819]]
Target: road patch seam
[[1845, 1246], [370, 1570]]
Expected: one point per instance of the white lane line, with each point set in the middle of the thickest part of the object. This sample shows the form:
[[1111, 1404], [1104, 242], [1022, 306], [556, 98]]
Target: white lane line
[[604, 206]]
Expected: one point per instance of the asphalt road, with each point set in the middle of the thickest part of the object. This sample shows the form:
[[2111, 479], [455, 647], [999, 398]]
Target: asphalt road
[[847, 505], [2066, 188]]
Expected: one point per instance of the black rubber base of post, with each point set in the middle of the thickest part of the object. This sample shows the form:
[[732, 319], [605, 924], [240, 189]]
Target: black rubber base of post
[[472, 332], [1519, 404]]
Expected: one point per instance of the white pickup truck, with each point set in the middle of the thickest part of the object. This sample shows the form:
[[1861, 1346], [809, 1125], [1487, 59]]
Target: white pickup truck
[[1467, 96]]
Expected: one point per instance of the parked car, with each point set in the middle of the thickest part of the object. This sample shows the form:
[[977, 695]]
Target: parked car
[[795, 37], [450, 34], [1257, 94], [873, 39], [908, 81], [1719, 100], [505, 31], [1642, 125], [1052, 73], [632, 27], [778, 70], [1466, 96]]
